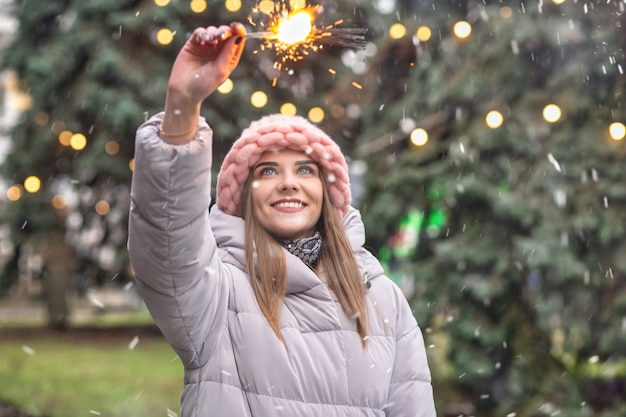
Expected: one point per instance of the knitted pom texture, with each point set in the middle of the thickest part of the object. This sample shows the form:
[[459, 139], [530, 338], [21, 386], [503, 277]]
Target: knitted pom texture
[[273, 133]]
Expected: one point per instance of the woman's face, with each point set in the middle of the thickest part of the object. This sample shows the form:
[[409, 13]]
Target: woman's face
[[287, 194]]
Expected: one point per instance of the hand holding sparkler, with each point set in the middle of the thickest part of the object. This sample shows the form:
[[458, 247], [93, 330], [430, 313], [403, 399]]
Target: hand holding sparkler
[[206, 60]]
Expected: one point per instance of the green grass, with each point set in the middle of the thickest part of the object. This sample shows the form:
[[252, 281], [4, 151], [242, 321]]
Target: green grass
[[67, 376]]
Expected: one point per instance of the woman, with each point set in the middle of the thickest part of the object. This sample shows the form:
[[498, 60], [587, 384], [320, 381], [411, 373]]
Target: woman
[[270, 300]]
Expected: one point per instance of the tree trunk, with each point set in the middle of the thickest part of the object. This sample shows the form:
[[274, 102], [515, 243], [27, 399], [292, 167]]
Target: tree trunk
[[58, 259]]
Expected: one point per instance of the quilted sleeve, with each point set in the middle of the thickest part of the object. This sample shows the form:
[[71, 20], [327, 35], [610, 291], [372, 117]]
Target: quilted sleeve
[[410, 393], [171, 246]]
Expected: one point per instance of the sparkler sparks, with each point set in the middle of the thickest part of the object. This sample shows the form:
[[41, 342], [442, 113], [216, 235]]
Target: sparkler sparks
[[293, 34]]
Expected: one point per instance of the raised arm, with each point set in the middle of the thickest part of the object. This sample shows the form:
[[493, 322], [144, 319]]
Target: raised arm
[[171, 246], [205, 61]]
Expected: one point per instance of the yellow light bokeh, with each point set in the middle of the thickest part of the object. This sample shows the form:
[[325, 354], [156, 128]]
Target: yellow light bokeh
[[112, 147], [316, 115], [226, 87], [32, 184], [494, 119], [266, 6], [59, 202], [552, 113], [617, 131], [258, 99], [462, 29], [102, 207], [558, 1], [419, 137], [78, 141], [397, 31], [161, 3], [164, 36], [233, 5], [424, 33], [198, 6], [288, 109], [65, 137], [131, 164], [15, 192]]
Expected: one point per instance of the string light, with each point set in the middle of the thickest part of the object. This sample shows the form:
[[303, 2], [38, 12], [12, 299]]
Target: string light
[[419, 137], [617, 131], [288, 109], [397, 31], [423, 33], [462, 29], [32, 184], [259, 99], [226, 87], [494, 119], [164, 36], [316, 115], [552, 113], [14, 192], [78, 141]]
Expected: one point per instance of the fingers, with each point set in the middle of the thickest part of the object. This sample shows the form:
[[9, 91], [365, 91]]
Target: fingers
[[213, 36]]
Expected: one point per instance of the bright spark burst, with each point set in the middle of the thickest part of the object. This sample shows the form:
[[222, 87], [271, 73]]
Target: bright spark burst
[[292, 33]]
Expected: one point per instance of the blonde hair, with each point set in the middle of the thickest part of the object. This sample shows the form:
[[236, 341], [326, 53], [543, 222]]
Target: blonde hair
[[267, 268]]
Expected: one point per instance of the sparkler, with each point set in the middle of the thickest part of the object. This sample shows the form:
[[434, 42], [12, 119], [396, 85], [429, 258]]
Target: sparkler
[[293, 34]]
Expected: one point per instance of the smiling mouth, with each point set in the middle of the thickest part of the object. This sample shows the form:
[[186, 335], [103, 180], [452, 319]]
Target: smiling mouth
[[289, 204]]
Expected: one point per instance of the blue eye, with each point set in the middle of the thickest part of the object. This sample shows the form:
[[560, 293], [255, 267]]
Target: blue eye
[[305, 170], [267, 171]]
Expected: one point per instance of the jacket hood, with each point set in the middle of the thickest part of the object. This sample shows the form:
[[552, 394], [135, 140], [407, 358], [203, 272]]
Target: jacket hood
[[229, 234]]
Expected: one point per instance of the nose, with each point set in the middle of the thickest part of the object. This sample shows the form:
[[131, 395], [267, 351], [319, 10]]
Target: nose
[[288, 182]]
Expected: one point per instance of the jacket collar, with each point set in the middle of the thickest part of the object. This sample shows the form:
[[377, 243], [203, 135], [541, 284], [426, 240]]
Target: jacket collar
[[229, 232]]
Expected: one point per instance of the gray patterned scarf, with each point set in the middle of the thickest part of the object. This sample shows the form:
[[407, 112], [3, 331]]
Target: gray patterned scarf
[[308, 249]]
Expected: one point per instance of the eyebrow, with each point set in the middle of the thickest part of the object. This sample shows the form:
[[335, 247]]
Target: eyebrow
[[275, 164]]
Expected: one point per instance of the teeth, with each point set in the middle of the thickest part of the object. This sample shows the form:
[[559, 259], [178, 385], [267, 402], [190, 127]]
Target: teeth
[[289, 204]]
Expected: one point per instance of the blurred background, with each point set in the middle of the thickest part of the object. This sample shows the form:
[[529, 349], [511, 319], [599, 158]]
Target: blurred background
[[486, 143]]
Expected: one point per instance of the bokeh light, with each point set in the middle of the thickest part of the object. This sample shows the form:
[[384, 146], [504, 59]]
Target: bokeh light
[[131, 164], [506, 12], [65, 137], [59, 202], [112, 147], [316, 115], [78, 141], [617, 131], [258, 99], [462, 29], [164, 36], [161, 3], [32, 184], [42, 118], [233, 5], [424, 33], [552, 113], [226, 87], [15, 192], [494, 119], [419, 137], [102, 207], [198, 6], [288, 109], [266, 6], [397, 31]]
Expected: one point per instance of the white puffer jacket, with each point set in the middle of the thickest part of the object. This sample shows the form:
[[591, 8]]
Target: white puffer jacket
[[190, 270]]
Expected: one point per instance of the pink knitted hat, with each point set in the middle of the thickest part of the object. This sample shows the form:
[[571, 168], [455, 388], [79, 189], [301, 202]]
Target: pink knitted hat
[[276, 132]]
